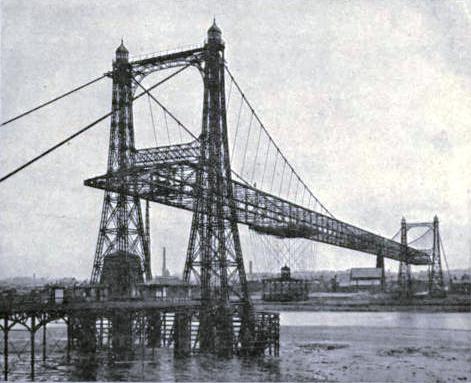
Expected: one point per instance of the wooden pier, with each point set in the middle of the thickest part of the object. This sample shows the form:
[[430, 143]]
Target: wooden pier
[[97, 323]]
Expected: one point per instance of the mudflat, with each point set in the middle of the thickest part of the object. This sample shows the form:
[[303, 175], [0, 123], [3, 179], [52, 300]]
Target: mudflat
[[374, 354]]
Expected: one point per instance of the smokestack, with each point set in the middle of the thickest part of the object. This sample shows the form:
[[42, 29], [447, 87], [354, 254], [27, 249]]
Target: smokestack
[[164, 264]]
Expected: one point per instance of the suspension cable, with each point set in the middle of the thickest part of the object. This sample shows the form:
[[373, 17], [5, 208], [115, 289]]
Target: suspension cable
[[444, 257], [274, 171], [229, 96], [53, 100], [265, 165], [420, 237], [256, 155], [246, 144], [237, 125], [395, 235], [152, 119], [282, 177], [296, 192], [147, 91], [51, 149], [241, 178], [166, 126], [63, 142], [273, 142], [289, 184]]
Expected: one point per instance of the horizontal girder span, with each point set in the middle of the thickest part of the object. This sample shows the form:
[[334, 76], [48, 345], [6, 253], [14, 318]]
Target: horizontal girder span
[[172, 182], [171, 154], [146, 66]]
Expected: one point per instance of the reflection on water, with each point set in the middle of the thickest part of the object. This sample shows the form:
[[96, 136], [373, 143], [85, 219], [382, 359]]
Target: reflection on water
[[445, 321], [315, 346], [164, 367]]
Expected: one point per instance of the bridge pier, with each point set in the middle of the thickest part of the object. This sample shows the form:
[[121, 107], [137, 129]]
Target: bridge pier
[[154, 330], [122, 335], [173, 325], [84, 331], [44, 345], [100, 332], [182, 334], [5, 348], [380, 265], [69, 338], [32, 332], [224, 331]]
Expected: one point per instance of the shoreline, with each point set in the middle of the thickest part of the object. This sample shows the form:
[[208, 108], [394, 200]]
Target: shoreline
[[371, 304], [363, 308]]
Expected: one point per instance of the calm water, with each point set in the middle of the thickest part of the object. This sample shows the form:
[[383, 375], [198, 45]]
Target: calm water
[[444, 321], [314, 346]]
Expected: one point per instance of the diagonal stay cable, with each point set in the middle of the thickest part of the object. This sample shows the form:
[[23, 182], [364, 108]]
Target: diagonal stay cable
[[147, 91], [152, 120], [420, 237], [395, 235], [273, 141], [166, 111], [70, 138], [442, 247], [53, 100]]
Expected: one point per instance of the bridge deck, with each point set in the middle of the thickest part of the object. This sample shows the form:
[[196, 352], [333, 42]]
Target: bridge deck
[[168, 176]]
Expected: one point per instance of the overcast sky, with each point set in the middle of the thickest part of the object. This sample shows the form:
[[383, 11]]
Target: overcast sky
[[369, 100]]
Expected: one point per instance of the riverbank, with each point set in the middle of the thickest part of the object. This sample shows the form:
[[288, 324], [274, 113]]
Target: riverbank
[[369, 303]]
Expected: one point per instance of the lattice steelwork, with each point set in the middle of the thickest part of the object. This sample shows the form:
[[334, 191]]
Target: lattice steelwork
[[429, 243], [196, 176], [404, 275], [436, 283], [214, 257], [121, 239], [175, 184]]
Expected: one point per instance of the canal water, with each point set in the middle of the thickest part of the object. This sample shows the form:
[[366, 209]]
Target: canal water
[[315, 346]]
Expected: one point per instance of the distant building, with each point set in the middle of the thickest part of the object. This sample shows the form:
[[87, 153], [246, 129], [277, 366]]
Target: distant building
[[340, 282], [285, 288], [366, 278], [165, 288], [461, 286]]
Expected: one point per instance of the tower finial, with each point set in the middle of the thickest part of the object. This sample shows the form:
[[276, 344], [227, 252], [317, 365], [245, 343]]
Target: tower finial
[[122, 52], [214, 32]]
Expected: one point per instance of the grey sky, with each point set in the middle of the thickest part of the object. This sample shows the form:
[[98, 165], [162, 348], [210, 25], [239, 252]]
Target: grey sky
[[369, 100]]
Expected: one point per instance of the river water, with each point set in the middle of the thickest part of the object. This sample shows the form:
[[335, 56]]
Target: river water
[[315, 346], [440, 321]]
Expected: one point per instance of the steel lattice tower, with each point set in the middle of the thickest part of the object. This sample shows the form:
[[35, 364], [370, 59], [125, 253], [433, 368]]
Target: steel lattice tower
[[436, 284], [122, 256], [404, 275], [214, 256]]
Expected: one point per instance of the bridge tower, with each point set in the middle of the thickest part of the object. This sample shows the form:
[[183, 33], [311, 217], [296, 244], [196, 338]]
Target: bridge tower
[[214, 255], [436, 284], [404, 275], [122, 257]]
